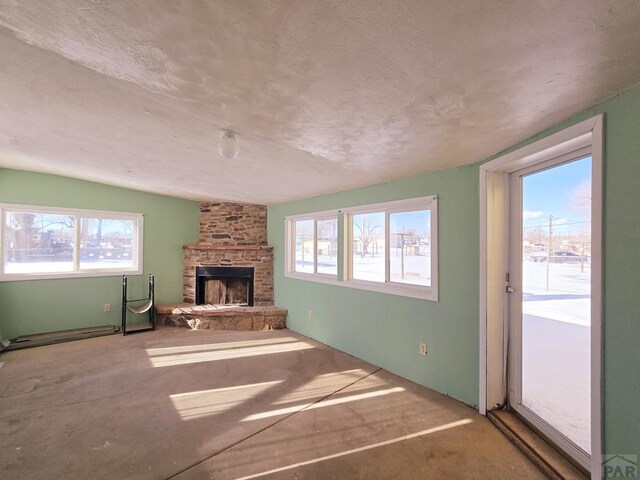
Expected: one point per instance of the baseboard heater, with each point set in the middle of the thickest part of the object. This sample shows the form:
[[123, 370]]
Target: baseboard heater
[[41, 339]]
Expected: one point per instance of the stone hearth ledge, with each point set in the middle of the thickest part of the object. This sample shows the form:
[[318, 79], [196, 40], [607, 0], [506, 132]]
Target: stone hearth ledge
[[221, 317]]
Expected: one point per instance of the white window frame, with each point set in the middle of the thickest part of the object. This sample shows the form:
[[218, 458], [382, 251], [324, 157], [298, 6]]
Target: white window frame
[[79, 214], [290, 266], [388, 208], [345, 253]]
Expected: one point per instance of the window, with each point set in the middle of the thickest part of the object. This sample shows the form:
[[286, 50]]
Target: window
[[327, 246], [389, 247], [305, 235], [410, 247], [313, 241], [393, 247], [368, 246], [44, 242]]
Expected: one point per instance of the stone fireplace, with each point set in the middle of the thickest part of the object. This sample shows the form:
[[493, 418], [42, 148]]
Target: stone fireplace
[[232, 235], [228, 275]]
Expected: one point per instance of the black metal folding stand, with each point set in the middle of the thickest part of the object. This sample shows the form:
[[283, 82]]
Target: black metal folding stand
[[146, 307]]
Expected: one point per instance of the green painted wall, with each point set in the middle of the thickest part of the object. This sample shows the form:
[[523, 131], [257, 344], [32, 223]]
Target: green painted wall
[[49, 305], [385, 329]]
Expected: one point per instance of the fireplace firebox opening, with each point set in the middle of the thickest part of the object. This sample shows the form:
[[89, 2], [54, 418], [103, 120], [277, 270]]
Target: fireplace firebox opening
[[224, 286]]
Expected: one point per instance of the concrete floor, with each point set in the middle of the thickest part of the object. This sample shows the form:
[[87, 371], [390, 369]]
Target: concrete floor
[[179, 404]]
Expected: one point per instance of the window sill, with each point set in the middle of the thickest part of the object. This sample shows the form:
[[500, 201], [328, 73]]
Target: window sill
[[16, 277], [314, 277], [392, 289]]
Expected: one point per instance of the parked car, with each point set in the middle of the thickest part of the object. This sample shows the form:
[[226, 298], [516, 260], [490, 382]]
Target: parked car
[[561, 257], [61, 248]]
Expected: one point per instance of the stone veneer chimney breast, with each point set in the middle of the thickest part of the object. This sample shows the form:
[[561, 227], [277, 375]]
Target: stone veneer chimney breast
[[233, 224], [232, 235]]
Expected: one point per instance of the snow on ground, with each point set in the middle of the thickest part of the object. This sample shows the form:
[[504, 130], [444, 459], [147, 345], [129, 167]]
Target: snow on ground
[[567, 298], [417, 268], [556, 350], [569, 310], [556, 375]]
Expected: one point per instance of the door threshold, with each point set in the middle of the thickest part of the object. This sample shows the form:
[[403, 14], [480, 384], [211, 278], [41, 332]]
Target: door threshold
[[553, 463]]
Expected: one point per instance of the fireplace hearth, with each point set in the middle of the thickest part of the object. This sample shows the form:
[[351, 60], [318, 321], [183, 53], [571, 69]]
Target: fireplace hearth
[[224, 285]]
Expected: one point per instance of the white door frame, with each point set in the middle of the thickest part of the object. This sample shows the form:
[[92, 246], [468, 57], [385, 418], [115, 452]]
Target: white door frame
[[494, 231], [515, 316]]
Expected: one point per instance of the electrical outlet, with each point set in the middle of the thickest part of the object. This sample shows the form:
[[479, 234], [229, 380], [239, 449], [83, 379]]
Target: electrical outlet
[[107, 307], [310, 314], [423, 349]]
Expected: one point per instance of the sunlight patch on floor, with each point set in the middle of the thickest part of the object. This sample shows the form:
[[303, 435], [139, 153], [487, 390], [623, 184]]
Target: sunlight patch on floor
[[217, 346], [429, 431], [191, 405], [323, 385], [325, 403], [211, 356]]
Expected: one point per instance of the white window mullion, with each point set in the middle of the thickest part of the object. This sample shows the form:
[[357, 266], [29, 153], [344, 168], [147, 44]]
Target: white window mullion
[[315, 246], [387, 247]]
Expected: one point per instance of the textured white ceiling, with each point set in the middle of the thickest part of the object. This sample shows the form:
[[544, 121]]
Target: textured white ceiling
[[325, 95]]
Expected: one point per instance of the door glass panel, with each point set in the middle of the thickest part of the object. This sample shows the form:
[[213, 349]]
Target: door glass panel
[[556, 298]]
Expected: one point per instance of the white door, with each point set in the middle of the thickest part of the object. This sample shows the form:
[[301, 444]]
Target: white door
[[549, 368]]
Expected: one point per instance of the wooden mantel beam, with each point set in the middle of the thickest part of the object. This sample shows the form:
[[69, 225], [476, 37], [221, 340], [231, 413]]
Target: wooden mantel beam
[[189, 246]]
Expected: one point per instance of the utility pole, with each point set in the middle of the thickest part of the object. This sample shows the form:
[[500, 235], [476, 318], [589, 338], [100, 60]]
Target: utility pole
[[539, 234], [402, 235]]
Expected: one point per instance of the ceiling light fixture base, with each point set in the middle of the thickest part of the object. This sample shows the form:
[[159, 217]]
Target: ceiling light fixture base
[[228, 146]]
